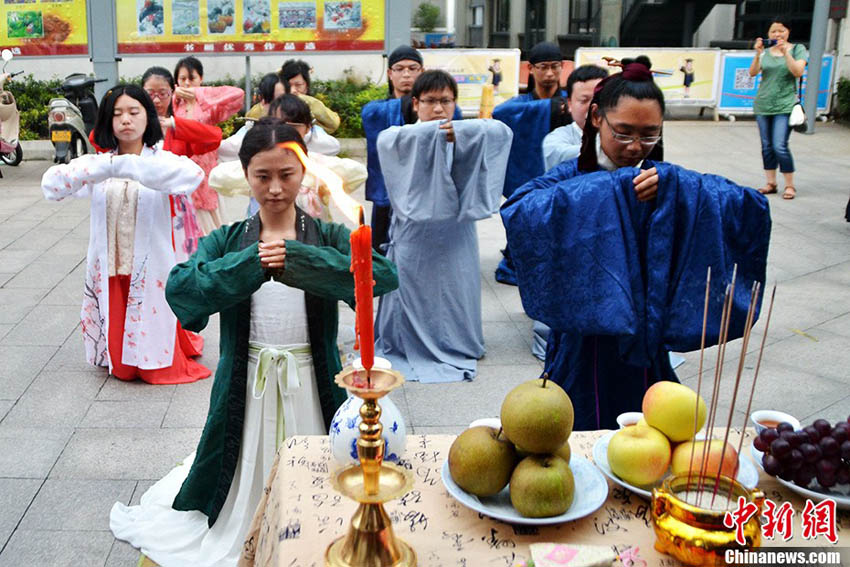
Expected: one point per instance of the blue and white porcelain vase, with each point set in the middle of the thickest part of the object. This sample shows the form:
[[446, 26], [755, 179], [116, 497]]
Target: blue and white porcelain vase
[[345, 426]]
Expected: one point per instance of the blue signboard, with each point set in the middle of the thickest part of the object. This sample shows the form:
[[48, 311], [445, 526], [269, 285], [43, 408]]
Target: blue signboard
[[738, 89]]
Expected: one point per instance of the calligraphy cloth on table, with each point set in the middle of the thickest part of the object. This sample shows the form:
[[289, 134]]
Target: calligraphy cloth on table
[[149, 324], [621, 282], [430, 328]]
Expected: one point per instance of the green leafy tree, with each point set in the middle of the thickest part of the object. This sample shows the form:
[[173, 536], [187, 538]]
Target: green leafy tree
[[426, 17]]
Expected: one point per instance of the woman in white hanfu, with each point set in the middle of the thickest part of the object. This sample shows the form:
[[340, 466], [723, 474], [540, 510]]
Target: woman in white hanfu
[[127, 323]]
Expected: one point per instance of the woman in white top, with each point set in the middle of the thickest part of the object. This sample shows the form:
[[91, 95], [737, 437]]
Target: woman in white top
[[126, 322]]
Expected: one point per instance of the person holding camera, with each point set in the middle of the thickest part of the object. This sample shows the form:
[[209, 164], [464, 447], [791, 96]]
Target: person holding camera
[[780, 65]]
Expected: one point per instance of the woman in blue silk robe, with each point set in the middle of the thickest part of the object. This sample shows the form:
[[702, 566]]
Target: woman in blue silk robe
[[612, 251]]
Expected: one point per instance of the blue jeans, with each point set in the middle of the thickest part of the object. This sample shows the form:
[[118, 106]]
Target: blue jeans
[[774, 132]]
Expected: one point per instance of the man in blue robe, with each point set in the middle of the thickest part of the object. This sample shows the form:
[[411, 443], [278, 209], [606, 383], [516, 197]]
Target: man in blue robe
[[531, 116], [621, 282]]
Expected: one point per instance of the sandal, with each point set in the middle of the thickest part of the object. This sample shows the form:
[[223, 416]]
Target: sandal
[[767, 189], [789, 192]]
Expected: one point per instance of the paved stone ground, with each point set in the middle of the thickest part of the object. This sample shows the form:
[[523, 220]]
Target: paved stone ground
[[73, 442]]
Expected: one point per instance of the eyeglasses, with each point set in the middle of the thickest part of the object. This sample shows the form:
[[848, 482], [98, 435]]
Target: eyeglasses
[[554, 67], [626, 139], [444, 102], [161, 93], [412, 69]]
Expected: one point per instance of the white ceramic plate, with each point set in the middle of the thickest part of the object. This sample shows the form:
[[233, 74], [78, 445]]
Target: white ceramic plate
[[814, 491], [747, 473], [591, 491]]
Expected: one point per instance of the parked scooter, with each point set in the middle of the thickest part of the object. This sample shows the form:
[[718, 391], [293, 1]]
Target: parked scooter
[[10, 148], [71, 118]]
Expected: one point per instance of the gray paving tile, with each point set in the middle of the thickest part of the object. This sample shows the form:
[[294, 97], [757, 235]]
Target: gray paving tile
[[135, 391], [4, 329], [18, 302], [122, 554], [491, 308], [124, 454], [39, 274], [69, 291], [67, 395], [190, 405], [838, 326], [20, 366], [76, 504], [505, 345], [5, 406], [45, 325], [459, 403], [15, 495], [30, 452], [839, 411], [38, 240], [5, 277], [139, 414], [56, 548], [71, 356], [15, 260], [439, 429]]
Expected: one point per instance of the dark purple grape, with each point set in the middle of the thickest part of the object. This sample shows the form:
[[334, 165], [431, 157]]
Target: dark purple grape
[[848, 419], [784, 426], [813, 434], [759, 444], [791, 437], [825, 466], [826, 480], [769, 435], [787, 474], [845, 450], [803, 437], [771, 465], [780, 448], [829, 446], [793, 460], [811, 453], [823, 427], [804, 475], [840, 434], [843, 475]]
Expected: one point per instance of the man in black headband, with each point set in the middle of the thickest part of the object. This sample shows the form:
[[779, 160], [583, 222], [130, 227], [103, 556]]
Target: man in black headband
[[531, 116], [403, 68]]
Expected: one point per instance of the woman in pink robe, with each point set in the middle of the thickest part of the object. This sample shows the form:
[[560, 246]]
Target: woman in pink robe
[[209, 105]]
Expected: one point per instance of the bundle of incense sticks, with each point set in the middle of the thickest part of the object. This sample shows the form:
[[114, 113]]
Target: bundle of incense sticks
[[705, 475]]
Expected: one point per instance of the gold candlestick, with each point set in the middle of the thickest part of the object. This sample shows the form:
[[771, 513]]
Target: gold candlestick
[[370, 541]]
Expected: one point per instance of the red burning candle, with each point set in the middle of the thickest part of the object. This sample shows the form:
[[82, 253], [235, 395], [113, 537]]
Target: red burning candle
[[361, 267]]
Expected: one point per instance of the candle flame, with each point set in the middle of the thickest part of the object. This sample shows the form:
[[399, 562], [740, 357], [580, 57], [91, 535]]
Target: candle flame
[[348, 205]]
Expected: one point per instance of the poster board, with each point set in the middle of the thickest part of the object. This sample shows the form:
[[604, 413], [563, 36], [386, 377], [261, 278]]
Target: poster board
[[44, 27], [472, 69], [737, 89], [669, 65], [249, 26]]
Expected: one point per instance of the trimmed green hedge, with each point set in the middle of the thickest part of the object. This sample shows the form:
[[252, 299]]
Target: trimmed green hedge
[[346, 97], [844, 98]]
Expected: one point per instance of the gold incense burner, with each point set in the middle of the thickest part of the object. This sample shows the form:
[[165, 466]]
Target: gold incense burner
[[370, 541], [696, 535]]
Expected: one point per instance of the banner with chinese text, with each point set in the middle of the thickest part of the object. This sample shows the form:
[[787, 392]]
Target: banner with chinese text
[[44, 27], [246, 26]]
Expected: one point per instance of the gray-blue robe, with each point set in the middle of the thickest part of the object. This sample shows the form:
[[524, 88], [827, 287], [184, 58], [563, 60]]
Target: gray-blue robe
[[430, 328]]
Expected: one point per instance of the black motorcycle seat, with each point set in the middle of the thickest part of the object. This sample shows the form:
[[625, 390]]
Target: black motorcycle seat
[[78, 81]]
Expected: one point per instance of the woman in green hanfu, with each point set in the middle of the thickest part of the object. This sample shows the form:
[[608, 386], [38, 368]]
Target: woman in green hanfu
[[275, 279]]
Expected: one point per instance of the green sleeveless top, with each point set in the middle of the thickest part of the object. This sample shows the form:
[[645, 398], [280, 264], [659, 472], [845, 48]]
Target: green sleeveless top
[[778, 88]]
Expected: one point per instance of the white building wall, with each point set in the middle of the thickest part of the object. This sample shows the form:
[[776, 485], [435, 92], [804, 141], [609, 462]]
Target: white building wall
[[719, 25]]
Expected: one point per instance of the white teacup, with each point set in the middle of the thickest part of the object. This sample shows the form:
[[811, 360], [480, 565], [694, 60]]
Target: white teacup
[[762, 419]]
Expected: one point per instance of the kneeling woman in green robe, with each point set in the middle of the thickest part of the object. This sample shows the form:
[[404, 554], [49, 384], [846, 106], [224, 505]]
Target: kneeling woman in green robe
[[275, 280]]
